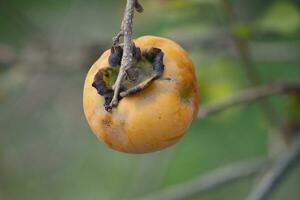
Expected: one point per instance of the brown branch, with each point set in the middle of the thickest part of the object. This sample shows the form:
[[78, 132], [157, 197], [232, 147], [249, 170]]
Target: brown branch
[[126, 31], [251, 72], [212, 180], [279, 171], [249, 95]]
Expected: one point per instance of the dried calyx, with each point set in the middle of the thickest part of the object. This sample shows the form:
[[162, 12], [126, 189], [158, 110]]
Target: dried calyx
[[147, 66]]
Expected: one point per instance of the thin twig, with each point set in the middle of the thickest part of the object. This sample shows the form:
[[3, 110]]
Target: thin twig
[[277, 173], [127, 54], [250, 95], [212, 180], [126, 31], [116, 39]]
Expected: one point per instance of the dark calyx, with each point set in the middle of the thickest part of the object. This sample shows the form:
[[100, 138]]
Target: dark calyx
[[147, 67], [115, 57]]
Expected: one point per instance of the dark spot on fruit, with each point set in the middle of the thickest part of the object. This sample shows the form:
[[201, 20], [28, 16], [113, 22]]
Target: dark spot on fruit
[[184, 93], [106, 123]]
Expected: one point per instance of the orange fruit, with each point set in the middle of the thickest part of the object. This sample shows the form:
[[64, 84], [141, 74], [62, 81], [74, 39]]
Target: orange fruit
[[154, 118]]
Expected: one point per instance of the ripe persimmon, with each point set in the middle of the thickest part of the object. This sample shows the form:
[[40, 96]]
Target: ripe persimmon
[[158, 101]]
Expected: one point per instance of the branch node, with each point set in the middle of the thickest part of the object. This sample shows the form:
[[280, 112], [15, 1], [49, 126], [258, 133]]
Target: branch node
[[250, 95], [116, 39]]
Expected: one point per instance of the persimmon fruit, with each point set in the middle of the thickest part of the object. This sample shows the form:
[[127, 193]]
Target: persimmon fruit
[[158, 101]]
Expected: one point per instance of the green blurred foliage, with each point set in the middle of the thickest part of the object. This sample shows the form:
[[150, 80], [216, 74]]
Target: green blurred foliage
[[47, 150], [282, 17]]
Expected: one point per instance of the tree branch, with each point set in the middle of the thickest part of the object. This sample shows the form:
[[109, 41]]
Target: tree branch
[[251, 72], [250, 95], [277, 173], [214, 179], [126, 31]]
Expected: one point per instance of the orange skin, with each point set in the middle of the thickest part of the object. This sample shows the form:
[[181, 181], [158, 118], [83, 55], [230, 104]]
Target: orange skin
[[154, 118]]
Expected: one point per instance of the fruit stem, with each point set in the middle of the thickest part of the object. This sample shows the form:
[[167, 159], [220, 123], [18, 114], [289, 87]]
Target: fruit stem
[[127, 58]]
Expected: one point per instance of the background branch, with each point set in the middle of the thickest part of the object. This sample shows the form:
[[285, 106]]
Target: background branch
[[251, 72], [212, 180], [250, 95], [278, 172]]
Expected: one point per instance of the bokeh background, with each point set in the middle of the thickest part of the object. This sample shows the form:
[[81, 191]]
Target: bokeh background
[[47, 150]]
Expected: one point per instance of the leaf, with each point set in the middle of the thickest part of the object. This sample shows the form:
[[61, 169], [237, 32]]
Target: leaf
[[218, 78], [243, 32], [281, 17]]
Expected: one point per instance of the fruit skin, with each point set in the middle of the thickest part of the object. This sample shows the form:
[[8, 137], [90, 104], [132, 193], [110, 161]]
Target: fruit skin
[[154, 118]]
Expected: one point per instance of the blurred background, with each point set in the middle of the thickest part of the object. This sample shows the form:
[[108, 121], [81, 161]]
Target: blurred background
[[47, 150]]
